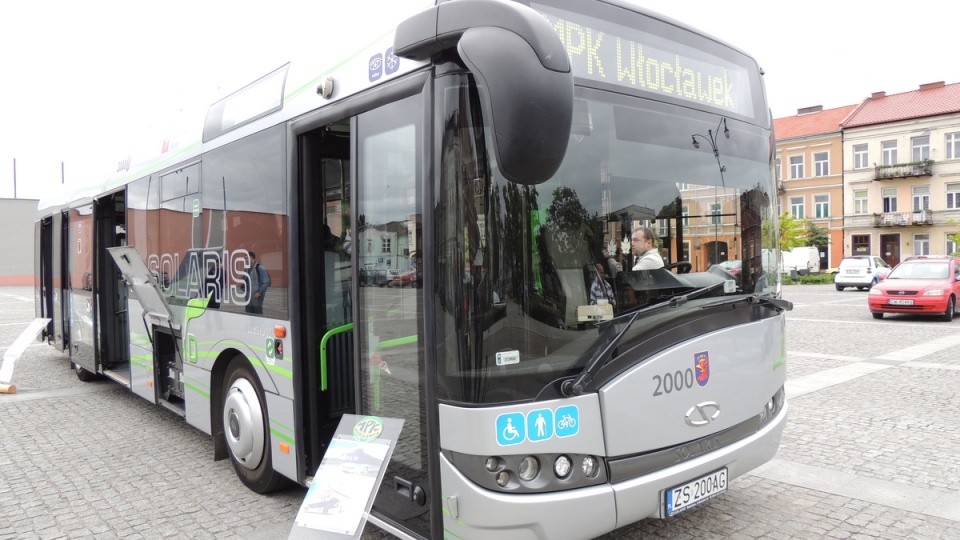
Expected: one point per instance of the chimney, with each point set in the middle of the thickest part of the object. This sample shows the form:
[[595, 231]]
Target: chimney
[[810, 110], [878, 95], [931, 86]]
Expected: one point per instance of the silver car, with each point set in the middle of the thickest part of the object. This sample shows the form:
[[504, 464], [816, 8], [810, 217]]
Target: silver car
[[860, 271]]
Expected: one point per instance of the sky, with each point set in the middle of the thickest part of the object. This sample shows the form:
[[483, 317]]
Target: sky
[[85, 85]]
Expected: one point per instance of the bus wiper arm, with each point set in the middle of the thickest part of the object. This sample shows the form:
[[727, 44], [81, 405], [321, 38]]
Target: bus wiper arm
[[778, 304], [575, 388]]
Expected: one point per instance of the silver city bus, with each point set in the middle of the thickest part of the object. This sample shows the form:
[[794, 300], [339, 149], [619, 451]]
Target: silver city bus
[[544, 192]]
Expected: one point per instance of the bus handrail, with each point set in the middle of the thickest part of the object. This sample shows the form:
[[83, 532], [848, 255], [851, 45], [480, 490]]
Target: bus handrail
[[323, 352]]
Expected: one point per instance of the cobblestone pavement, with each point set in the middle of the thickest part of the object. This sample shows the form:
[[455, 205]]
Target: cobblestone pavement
[[869, 450]]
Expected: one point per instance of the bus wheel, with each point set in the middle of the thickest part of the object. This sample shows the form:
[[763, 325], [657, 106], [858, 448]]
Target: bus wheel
[[245, 429], [83, 374]]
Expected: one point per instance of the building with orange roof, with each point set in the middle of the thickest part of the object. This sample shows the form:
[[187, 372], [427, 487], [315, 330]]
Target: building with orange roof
[[810, 172], [902, 173]]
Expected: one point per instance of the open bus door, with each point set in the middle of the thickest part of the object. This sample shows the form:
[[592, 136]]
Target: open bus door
[[58, 280], [43, 275], [111, 302]]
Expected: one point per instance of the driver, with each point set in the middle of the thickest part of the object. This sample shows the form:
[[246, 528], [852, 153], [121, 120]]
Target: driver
[[643, 247]]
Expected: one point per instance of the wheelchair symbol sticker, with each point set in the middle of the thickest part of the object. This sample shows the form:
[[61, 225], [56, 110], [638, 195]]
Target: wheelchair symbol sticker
[[567, 421], [511, 429]]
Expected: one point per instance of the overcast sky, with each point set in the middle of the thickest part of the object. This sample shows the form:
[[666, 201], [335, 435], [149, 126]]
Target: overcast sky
[[88, 84]]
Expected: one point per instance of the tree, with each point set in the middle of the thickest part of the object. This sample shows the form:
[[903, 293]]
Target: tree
[[792, 232], [955, 237], [817, 236]]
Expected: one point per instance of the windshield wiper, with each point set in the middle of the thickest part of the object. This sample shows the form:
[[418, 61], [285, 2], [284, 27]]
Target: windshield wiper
[[778, 304], [575, 387]]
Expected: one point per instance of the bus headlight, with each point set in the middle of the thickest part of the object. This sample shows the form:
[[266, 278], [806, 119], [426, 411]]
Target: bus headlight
[[503, 478], [561, 467], [589, 466], [529, 468], [492, 464]]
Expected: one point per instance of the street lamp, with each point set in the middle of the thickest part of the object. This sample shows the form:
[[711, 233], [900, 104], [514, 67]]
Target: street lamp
[[711, 137]]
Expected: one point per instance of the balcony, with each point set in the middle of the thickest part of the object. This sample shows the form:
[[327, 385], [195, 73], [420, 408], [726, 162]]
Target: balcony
[[903, 219], [904, 170]]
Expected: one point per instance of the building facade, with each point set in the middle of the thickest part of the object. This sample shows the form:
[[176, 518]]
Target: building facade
[[902, 174], [17, 218], [809, 166]]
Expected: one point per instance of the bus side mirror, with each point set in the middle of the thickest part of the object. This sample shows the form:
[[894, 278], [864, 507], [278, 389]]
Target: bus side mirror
[[523, 76], [527, 107]]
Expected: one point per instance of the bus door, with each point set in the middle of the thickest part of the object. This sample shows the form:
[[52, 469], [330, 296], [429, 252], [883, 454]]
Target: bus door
[[390, 319], [327, 276], [43, 274], [111, 302], [58, 280]]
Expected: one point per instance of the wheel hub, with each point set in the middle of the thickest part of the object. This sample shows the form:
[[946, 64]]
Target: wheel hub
[[243, 416]]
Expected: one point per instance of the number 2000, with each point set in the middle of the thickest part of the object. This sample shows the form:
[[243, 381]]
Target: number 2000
[[669, 382]]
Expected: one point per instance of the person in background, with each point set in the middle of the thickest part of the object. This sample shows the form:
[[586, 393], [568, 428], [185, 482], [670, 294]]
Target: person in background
[[259, 283], [600, 290], [643, 247]]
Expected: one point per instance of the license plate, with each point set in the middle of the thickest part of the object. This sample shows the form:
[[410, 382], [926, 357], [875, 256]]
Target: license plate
[[686, 496], [898, 302], [853, 271]]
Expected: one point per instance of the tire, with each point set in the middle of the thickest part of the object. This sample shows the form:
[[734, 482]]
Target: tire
[[877, 315], [951, 307], [840, 288], [245, 428], [83, 374]]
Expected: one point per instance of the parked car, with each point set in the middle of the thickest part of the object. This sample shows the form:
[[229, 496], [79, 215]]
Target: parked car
[[412, 278], [733, 267], [860, 271], [926, 285]]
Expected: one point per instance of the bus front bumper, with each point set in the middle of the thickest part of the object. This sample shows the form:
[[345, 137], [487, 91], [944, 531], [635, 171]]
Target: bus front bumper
[[470, 511]]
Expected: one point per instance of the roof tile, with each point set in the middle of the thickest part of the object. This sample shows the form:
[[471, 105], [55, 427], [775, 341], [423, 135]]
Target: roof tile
[[928, 100], [802, 125]]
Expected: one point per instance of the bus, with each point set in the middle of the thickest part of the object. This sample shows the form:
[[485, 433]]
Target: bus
[[514, 158]]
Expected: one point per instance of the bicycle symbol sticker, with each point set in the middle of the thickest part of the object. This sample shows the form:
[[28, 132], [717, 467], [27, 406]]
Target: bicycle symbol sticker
[[511, 429], [567, 421]]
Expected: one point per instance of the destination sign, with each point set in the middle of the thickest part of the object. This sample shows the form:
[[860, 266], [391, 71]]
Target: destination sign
[[612, 53]]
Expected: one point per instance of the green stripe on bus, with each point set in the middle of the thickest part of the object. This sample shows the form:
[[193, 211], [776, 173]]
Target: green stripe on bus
[[197, 390], [282, 436]]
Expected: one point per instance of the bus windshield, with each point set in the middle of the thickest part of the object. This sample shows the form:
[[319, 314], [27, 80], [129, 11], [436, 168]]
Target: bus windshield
[[531, 279]]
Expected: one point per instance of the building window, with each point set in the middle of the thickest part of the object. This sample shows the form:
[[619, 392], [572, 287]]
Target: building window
[[796, 166], [860, 156], [715, 212], [369, 245], [778, 168], [951, 245], [663, 228], [953, 145], [953, 196], [889, 199], [682, 186], [921, 244], [921, 198], [685, 211], [860, 201], [921, 147], [821, 164], [796, 207], [889, 149], [860, 244], [821, 204], [385, 244]]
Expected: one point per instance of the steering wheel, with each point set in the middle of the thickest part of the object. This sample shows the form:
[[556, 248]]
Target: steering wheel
[[683, 267]]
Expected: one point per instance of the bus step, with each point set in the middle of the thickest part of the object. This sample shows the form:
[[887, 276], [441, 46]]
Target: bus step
[[117, 377], [174, 407]]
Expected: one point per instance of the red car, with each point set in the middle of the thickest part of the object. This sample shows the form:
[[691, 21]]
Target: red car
[[924, 285]]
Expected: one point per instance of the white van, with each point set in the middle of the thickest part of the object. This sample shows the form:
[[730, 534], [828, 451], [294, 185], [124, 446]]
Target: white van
[[806, 259]]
